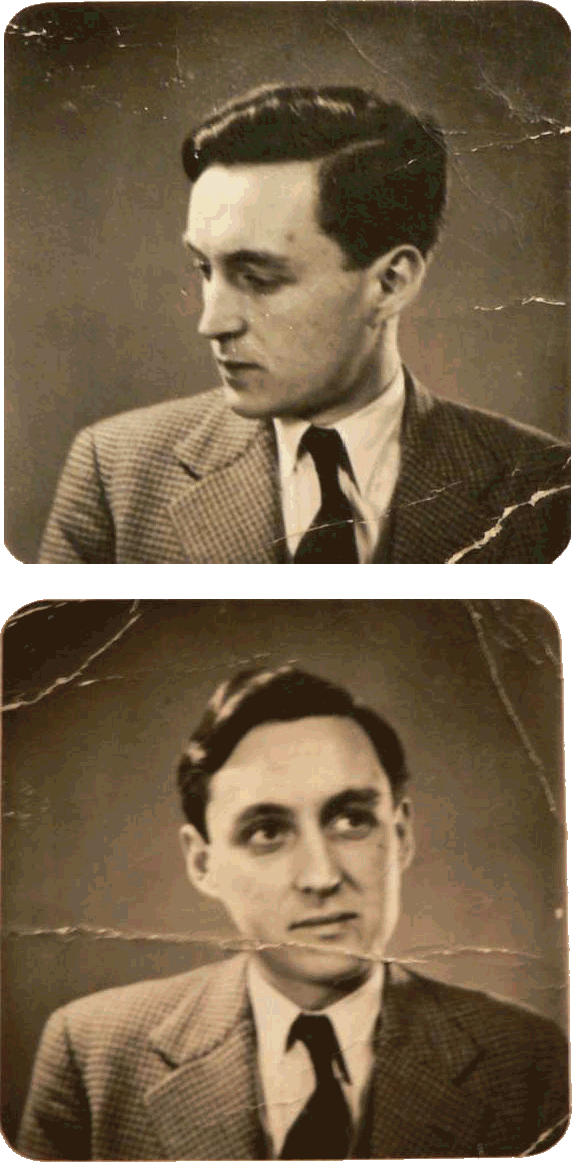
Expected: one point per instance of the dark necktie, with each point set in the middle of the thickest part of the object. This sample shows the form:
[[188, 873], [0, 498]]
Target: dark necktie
[[330, 540], [324, 1127]]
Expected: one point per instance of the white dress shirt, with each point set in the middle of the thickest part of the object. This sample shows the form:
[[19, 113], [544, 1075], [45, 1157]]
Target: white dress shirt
[[287, 1077], [372, 440]]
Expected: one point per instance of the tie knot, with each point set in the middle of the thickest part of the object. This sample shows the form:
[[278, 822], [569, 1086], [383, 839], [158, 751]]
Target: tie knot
[[327, 450], [318, 1036], [331, 536]]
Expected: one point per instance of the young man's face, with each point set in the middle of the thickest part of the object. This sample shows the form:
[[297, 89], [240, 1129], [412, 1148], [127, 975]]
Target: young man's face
[[306, 851], [288, 324]]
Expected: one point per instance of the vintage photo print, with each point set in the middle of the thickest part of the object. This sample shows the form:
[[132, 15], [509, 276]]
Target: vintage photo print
[[288, 283], [283, 879]]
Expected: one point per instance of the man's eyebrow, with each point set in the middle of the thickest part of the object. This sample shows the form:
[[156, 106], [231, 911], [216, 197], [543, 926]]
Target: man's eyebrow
[[236, 257], [259, 258], [354, 797], [261, 811], [189, 246]]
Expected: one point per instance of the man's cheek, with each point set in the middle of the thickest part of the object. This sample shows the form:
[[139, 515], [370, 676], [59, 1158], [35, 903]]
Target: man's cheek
[[229, 879], [250, 892], [366, 863]]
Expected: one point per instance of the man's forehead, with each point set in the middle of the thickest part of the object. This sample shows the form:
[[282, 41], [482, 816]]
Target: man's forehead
[[297, 763], [228, 200]]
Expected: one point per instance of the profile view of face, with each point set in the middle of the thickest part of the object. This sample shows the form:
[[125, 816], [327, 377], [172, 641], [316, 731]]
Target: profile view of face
[[305, 850], [287, 323]]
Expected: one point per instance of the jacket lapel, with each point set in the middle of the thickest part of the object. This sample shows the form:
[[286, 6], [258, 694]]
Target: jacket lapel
[[418, 1106], [206, 1107], [228, 510], [438, 505], [207, 1104]]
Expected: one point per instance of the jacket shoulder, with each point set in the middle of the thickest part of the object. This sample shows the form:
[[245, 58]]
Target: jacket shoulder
[[487, 1017], [128, 1013], [500, 435], [166, 421], [512, 1061]]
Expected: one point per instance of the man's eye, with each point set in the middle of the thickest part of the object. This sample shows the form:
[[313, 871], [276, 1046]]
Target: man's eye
[[265, 837], [203, 268], [258, 282], [353, 824]]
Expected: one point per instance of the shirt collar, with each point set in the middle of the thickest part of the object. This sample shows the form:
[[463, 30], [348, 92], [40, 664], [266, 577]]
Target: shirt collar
[[364, 432], [353, 1017]]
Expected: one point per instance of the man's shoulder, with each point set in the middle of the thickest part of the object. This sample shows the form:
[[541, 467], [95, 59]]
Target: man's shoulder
[[169, 420], [499, 434], [483, 1015], [200, 431], [134, 1009]]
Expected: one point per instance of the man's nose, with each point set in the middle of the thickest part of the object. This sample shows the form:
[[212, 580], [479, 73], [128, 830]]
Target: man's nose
[[221, 315], [317, 870]]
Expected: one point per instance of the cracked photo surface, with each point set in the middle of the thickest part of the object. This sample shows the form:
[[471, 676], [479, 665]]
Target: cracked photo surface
[[372, 831]]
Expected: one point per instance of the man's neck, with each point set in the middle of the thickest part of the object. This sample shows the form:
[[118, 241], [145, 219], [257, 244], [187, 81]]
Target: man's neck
[[314, 996], [374, 378]]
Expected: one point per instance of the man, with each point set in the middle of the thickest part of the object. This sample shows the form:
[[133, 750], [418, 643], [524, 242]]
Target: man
[[313, 215], [309, 1045]]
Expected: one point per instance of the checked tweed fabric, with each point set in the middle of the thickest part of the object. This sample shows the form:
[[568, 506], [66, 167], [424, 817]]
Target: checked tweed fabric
[[190, 481], [167, 1069]]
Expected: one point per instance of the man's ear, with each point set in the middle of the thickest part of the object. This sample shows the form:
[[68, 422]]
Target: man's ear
[[197, 853], [396, 280], [404, 829]]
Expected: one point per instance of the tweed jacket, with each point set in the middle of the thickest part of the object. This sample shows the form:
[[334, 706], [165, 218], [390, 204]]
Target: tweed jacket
[[167, 1069], [191, 481]]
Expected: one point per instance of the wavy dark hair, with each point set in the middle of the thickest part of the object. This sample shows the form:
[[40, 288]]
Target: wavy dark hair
[[253, 697], [382, 172]]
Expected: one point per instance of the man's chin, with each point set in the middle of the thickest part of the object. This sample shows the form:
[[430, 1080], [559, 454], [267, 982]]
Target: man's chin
[[314, 979], [254, 404], [245, 405], [322, 965]]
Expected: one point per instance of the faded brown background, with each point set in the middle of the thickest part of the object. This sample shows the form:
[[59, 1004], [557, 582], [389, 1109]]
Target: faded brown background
[[100, 697], [99, 98]]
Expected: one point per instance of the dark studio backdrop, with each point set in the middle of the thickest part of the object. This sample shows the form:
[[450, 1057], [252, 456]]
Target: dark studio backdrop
[[102, 314], [100, 696]]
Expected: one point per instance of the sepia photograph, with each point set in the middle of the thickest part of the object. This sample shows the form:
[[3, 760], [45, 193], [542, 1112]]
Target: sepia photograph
[[287, 283], [283, 879]]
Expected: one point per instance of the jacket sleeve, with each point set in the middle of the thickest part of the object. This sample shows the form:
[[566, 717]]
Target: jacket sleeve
[[56, 1119], [80, 526]]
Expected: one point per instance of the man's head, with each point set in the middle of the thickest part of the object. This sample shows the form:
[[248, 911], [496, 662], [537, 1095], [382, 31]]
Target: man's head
[[298, 825], [311, 216]]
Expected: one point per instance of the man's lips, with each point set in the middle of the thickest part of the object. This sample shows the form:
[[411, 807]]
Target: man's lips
[[322, 921], [236, 364]]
